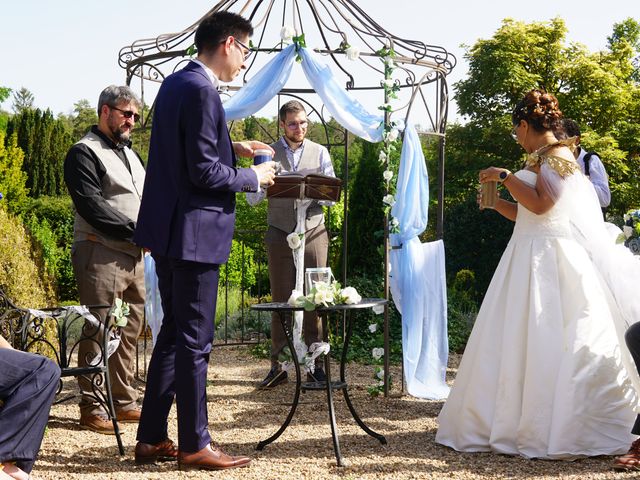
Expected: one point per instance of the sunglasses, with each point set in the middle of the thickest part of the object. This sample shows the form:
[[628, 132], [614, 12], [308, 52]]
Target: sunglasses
[[127, 113]]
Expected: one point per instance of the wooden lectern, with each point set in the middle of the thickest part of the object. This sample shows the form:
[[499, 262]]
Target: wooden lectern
[[313, 185]]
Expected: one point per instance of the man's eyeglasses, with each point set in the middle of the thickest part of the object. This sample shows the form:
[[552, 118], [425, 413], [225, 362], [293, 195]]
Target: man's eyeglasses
[[243, 47], [294, 125], [127, 113]]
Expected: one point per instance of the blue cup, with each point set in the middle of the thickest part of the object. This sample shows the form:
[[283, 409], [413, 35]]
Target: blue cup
[[262, 155]]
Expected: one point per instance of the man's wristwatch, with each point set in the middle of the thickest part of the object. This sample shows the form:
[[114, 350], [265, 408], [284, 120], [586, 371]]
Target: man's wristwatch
[[503, 175]]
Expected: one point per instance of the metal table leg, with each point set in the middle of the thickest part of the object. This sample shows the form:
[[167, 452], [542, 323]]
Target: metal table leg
[[343, 362], [294, 405], [329, 387]]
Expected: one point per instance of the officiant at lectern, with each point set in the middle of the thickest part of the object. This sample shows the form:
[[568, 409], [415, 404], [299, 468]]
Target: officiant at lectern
[[297, 154]]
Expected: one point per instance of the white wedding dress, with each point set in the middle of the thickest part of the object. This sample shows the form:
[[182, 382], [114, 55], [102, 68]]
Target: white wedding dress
[[542, 374]]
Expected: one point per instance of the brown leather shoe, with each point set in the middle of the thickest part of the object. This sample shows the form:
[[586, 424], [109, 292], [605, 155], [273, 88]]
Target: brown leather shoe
[[630, 460], [147, 453], [129, 416], [100, 423], [210, 458]]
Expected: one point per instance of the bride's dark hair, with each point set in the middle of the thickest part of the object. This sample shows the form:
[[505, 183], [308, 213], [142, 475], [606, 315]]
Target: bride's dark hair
[[540, 109]]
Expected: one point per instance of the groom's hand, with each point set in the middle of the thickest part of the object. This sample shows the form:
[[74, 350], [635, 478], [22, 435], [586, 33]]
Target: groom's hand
[[247, 147], [266, 173]]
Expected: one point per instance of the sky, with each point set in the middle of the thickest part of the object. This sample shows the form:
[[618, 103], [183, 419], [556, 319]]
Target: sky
[[67, 50]]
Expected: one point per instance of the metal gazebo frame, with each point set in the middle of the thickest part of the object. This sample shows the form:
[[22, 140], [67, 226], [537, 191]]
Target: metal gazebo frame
[[333, 25]]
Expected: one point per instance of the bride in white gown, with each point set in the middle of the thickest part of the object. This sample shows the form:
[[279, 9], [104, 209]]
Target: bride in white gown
[[544, 373]]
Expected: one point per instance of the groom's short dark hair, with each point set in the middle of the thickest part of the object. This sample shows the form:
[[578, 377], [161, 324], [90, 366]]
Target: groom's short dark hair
[[217, 27]]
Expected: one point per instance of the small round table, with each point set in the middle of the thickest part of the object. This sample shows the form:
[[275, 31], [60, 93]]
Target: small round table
[[329, 386]]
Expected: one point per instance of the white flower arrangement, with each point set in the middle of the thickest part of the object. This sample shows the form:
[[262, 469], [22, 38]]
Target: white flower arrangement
[[353, 53], [389, 200], [119, 311], [387, 175], [377, 353], [294, 240], [325, 294]]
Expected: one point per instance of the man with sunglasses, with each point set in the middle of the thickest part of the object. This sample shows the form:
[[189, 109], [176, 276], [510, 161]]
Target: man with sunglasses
[[187, 220], [105, 178], [294, 153]]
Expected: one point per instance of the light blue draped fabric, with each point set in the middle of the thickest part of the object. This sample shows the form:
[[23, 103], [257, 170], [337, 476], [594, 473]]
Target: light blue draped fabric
[[417, 279], [341, 105], [153, 313], [265, 85]]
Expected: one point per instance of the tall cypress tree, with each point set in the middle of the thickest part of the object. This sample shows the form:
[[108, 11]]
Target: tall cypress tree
[[366, 216]]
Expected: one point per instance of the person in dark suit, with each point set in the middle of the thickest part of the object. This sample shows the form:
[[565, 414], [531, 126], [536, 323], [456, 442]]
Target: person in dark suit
[[187, 219], [28, 384]]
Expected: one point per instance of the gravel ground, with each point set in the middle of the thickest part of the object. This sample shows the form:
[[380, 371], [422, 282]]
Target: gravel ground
[[240, 416]]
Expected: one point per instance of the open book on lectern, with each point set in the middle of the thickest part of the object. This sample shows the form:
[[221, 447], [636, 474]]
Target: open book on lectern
[[300, 185]]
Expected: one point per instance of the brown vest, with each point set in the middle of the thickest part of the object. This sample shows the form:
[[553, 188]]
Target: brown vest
[[281, 212], [121, 189]]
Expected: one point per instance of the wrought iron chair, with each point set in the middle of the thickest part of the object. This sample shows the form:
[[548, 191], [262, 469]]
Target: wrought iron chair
[[57, 333]]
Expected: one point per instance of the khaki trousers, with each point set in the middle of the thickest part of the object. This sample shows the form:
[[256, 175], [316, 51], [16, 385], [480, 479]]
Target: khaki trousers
[[282, 276], [102, 274]]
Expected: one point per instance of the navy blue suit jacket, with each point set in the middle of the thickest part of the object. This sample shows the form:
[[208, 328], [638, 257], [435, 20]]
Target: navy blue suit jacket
[[188, 202]]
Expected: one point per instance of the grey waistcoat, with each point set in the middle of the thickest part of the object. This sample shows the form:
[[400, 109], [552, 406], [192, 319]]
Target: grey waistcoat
[[121, 189], [281, 213]]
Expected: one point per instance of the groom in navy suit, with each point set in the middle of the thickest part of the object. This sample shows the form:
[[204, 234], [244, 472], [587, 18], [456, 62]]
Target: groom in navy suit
[[187, 219]]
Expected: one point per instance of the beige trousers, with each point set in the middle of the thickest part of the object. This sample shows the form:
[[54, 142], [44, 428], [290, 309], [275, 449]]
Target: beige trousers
[[282, 276], [102, 274]]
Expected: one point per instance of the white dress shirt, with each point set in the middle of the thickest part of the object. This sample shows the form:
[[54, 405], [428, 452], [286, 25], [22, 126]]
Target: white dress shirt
[[598, 177]]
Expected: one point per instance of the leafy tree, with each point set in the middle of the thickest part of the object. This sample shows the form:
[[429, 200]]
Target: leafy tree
[[22, 100], [4, 93], [365, 221], [12, 178], [85, 116], [599, 90]]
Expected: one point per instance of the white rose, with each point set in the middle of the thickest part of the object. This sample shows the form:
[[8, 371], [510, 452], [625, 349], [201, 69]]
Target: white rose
[[378, 309], [295, 294], [389, 62], [394, 222], [350, 295], [381, 383], [382, 157], [388, 82], [627, 230], [287, 33], [387, 175], [353, 53], [373, 328], [392, 136], [380, 374], [323, 293], [389, 200], [294, 240], [377, 353]]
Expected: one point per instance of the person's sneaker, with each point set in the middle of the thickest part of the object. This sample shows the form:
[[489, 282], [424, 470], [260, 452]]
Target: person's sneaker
[[274, 378], [99, 423], [317, 376]]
